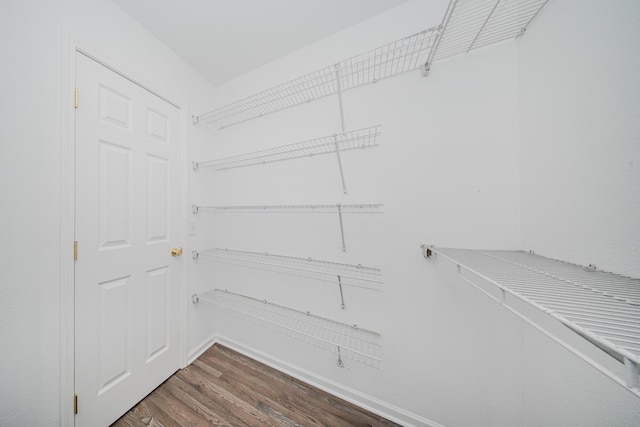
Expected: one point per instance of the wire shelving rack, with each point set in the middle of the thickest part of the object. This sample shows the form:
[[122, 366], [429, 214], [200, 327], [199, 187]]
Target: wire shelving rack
[[338, 209], [472, 24], [466, 25], [326, 271], [402, 55], [336, 143], [602, 307], [346, 341]]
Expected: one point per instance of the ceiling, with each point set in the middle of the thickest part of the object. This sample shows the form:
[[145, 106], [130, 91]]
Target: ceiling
[[223, 39]]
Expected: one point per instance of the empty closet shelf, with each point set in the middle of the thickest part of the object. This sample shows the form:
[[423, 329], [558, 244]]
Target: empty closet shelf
[[601, 306], [326, 271], [357, 139], [348, 341], [330, 209], [393, 58], [471, 24], [338, 209]]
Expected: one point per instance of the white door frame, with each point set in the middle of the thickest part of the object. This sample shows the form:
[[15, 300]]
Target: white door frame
[[71, 45]]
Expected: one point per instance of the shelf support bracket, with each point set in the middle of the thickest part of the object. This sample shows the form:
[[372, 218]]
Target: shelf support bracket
[[194, 209], [340, 362], [344, 245], [195, 298], [342, 127], [342, 306], [633, 373], [335, 142], [339, 88]]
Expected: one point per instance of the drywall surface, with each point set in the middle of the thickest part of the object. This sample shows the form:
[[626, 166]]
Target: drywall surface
[[580, 121], [580, 199], [31, 51], [446, 171]]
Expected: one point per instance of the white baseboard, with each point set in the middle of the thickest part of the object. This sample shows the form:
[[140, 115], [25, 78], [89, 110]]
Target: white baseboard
[[204, 346], [376, 406]]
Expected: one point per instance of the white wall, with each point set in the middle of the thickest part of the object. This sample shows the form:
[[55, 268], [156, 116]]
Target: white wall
[[31, 52], [447, 172], [451, 171], [459, 165], [580, 121]]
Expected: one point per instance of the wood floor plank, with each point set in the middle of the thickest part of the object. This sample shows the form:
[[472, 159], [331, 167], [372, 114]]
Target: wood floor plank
[[249, 413], [163, 412], [225, 388], [252, 386], [291, 393]]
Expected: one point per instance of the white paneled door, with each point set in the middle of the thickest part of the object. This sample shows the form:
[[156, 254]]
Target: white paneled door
[[127, 283]]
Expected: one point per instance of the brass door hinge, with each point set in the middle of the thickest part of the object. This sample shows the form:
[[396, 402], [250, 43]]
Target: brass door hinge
[[75, 403], [75, 98], [75, 250]]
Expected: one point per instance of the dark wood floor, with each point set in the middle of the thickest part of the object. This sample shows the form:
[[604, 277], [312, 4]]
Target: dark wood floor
[[225, 388]]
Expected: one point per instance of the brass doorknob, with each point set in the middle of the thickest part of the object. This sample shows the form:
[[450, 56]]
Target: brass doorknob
[[176, 252]]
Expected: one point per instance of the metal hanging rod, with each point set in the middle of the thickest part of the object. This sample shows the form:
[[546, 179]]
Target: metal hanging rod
[[325, 271], [402, 55], [352, 140], [471, 24], [348, 341], [602, 307], [339, 209]]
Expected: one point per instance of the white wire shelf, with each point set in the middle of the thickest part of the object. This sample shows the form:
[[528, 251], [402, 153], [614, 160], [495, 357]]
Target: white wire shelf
[[336, 143], [330, 208], [348, 341], [338, 209], [352, 140], [602, 307], [325, 271], [402, 55], [472, 24], [466, 25]]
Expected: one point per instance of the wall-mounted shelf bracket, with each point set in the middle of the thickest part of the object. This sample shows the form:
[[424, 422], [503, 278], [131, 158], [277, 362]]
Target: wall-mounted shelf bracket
[[633, 373], [344, 185], [339, 362]]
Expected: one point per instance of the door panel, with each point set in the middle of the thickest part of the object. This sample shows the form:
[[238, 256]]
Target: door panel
[[157, 201], [127, 284], [157, 308]]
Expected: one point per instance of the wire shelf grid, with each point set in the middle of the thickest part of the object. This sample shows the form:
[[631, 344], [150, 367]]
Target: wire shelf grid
[[325, 271], [320, 209], [393, 58], [339, 209], [352, 140], [344, 340], [604, 307], [471, 24]]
